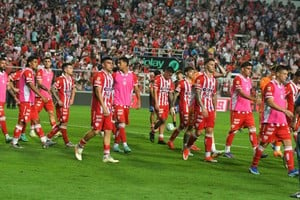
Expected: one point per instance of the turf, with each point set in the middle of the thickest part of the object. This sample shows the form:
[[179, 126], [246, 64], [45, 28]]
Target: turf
[[151, 171]]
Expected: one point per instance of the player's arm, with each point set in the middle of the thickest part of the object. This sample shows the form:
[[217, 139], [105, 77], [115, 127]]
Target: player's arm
[[138, 95], [99, 97], [200, 103], [54, 92], [270, 102], [155, 98], [214, 100], [175, 96], [73, 92], [246, 96], [10, 88], [221, 73], [36, 91], [40, 85]]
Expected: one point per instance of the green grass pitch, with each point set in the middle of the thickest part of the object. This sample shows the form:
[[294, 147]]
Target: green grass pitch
[[151, 171]]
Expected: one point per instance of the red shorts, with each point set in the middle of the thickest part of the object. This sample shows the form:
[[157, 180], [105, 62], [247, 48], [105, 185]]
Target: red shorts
[[121, 114], [2, 113], [62, 114], [26, 112], [100, 122], [270, 132], [205, 122], [241, 120], [163, 112], [49, 106]]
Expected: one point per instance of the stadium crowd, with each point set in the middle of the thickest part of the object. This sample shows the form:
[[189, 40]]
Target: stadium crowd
[[83, 31]]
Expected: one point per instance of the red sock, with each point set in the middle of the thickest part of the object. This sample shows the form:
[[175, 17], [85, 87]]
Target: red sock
[[24, 128], [82, 142], [17, 131], [53, 132], [258, 152], [117, 136], [191, 140], [39, 130], [230, 138], [52, 124], [174, 134], [208, 143], [289, 157], [3, 127], [106, 148], [122, 134], [64, 135], [253, 139]]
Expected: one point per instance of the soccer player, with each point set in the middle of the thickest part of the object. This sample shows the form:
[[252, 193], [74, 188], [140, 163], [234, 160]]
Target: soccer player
[[292, 92], [151, 98], [205, 110], [184, 91], [125, 82], [163, 94], [262, 84], [241, 111], [27, 109], [3, 86], [101, 110], [63, 91], [274, 123], [44, 79]]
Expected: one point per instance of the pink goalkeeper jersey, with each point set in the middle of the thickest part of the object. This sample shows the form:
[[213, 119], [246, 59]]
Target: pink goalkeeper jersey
[[276, 91], [25, 92], [46, 76], [123, 87], [239, 103], [3, 84]]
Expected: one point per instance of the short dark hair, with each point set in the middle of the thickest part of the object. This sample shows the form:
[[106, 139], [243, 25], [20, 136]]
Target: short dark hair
[[47, 57], [169, 69], [297, 74], [124, 59], [104, 58], [208, 60], [245, 64], [31, 58], [64, 65], [157, 72], [281, 67], [188, 69]]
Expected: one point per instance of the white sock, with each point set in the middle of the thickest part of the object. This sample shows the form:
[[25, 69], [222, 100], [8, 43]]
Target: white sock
[[227, 149]]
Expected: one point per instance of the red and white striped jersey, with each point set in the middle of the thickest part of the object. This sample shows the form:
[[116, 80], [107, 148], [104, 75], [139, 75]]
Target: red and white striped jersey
[[104, 81], [207, 87], [163, 87], [64, 85], [184, 88], [291, 92]]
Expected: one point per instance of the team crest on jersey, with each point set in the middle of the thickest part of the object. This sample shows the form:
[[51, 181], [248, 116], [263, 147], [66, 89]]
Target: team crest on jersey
[[268, 88], [29, 75], [98, 78], [237, 82]]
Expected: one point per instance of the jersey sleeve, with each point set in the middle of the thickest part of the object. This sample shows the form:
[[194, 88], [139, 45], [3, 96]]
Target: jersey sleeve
[[57, 84], [28, 75], [39, 75], [237, 83], [269, 91]]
